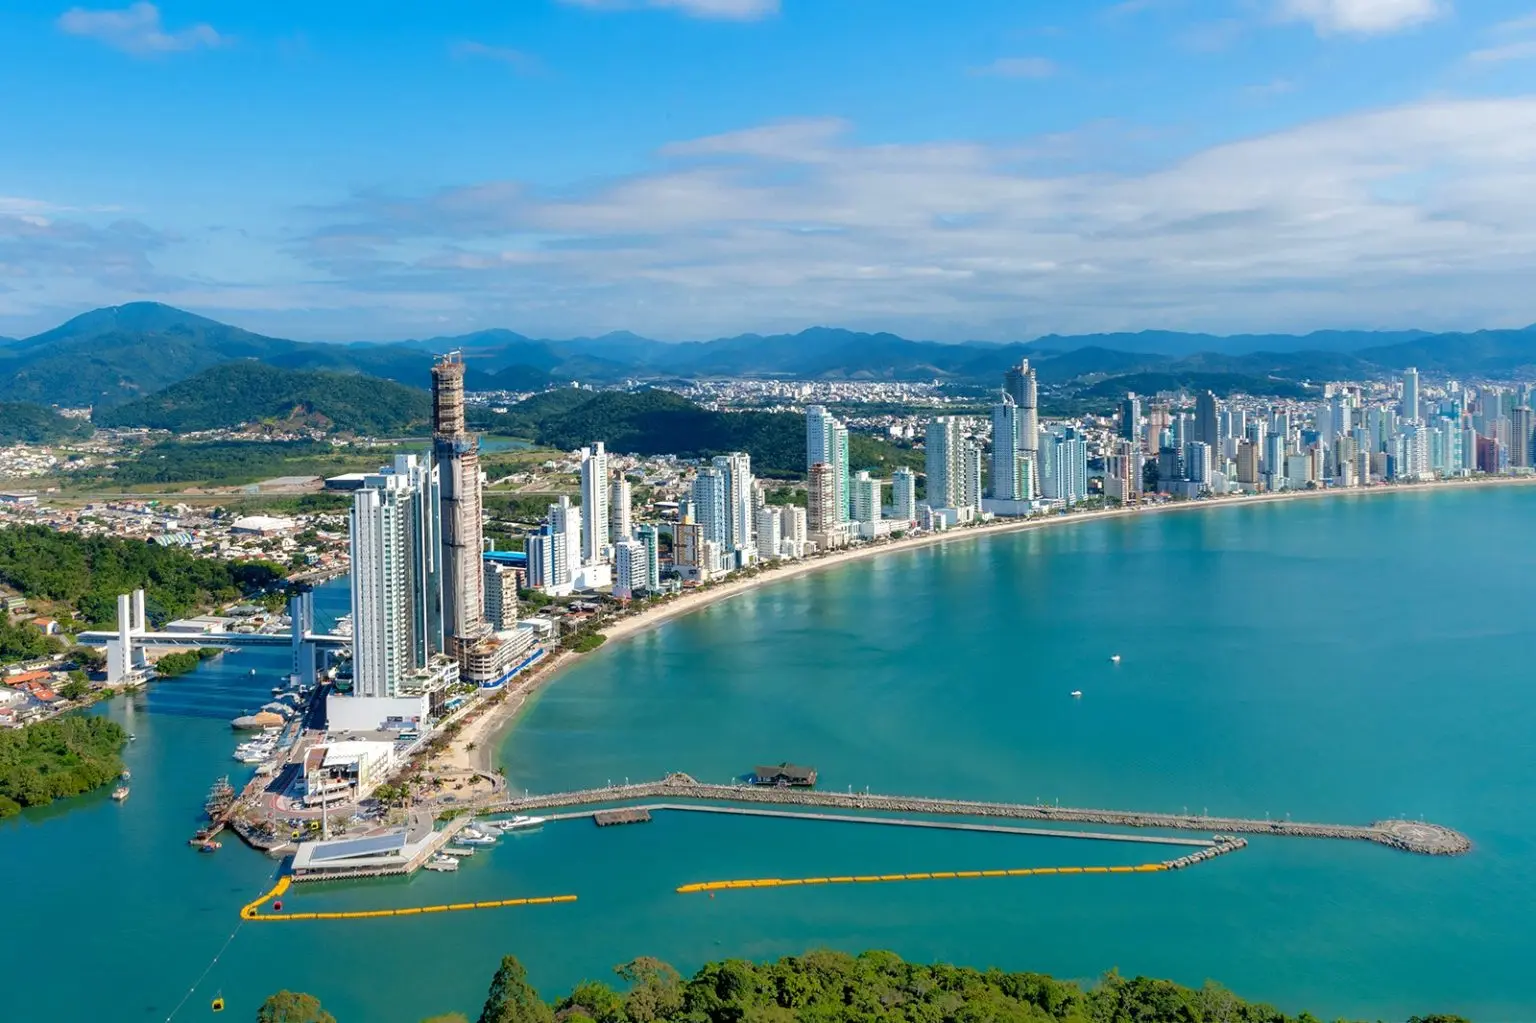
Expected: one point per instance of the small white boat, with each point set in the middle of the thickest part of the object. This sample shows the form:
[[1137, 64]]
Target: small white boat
[[120, 793], [446, 864], [1077, 694], [1115, 658], [518, 823], [472, 840]]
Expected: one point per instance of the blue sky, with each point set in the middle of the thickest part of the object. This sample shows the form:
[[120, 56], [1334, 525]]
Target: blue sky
[[990, 169]]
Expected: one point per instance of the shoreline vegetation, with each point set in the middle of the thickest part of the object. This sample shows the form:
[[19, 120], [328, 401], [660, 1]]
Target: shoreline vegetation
[[834, 987], [57, 759], [477, 745]]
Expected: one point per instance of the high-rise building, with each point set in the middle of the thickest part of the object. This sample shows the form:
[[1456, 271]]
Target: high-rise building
[[631, 571], [1021, 384], [1410, 405], [821, 500], [1520, 438], [396, 587], [500, 596], [1130, 417], [1247, 463], [554, 552], [594, 505], [794, 528], [904, 495], [1008, 484], [867, 503], [1064, 466], [457, 454], [1207, 429], [650, 537], [621, 525], [826, 441], [710, 507], [945, 458], [740, 507], [971, 492], [1197, 462], [770, 532]]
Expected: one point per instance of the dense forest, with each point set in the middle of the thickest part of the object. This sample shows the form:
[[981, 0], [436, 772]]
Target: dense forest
[[88, 572], [833, 987], [656, 422], [22, 422], [57, 759], [234, 393], [20, 641], [179, 663]]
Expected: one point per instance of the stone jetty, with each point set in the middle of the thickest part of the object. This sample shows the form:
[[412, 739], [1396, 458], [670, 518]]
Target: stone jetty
[[1408, 836]]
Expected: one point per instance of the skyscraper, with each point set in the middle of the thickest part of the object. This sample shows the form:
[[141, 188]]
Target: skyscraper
[[710, 507], [1410, 405], [1006, 456], [500, 596], [970, 495], [826, 441], [904, 495], [1130, 417], [1207, 427], [740, 506], [945, 463], [1021, 384], [1520, 438], [821, 500], [1064, 466], [396, 586], [594, 505], [621, 524], [457, 454]]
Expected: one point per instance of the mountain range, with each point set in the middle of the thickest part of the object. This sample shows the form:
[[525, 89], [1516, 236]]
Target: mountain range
[[113, 356]]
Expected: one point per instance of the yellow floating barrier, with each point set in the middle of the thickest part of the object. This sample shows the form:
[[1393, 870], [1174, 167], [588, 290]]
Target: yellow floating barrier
[[713, 886], [252, 910]]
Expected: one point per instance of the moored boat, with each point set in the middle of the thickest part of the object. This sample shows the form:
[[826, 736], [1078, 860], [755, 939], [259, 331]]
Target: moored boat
[[120, 793]]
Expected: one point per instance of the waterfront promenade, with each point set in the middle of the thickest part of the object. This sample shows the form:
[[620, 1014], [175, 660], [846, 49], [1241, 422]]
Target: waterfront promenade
[[1408, 836]]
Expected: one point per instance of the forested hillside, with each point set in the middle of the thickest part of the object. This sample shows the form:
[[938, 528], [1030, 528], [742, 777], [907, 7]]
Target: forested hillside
[[88, 572], [241, 392], [28, 423]]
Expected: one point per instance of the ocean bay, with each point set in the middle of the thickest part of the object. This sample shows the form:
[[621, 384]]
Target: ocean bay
[[1299, 657]]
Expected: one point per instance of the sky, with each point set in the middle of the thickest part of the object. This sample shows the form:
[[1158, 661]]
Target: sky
[[687, 169]]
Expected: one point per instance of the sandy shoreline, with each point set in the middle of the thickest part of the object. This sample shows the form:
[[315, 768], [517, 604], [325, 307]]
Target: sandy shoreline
[[488, 731]]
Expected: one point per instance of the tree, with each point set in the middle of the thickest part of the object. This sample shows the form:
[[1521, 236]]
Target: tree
[[75, 689], [450, 1017], [656, 989], [511, 999], [293, 1007]]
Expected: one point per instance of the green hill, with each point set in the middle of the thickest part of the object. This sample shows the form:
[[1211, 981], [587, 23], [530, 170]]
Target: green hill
[[25, 422], [233, 393]]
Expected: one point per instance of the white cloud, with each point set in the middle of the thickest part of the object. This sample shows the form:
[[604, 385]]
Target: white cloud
[[1509, 51], [725, 10], [517, 60], [1362, 17], [1019, 67], [137, 29], [1419, 215]]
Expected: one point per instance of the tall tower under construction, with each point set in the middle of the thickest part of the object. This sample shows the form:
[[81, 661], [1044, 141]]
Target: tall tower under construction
[[457, 453], [1021, 384]]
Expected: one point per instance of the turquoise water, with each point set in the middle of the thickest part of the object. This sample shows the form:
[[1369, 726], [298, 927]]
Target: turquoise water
[[1347, 660]]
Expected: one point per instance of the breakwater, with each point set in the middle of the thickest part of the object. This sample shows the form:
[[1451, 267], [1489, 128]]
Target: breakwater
[[1407, 836]]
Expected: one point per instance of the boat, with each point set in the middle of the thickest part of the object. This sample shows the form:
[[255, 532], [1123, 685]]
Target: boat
[[220, 796], [475, 839], [1077, 693], [255, 722], [446, 864], [518, 823], [120, 793], [253, 671], [132, 737], [210, 846], [125, 775], [1115, 658], [459, 850]]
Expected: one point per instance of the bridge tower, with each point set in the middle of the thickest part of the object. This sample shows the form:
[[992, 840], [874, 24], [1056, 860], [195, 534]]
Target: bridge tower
[[301, 616], [123, 657]]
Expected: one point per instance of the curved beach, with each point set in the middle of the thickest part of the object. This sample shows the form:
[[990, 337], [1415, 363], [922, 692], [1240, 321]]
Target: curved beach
[[490, 729]]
